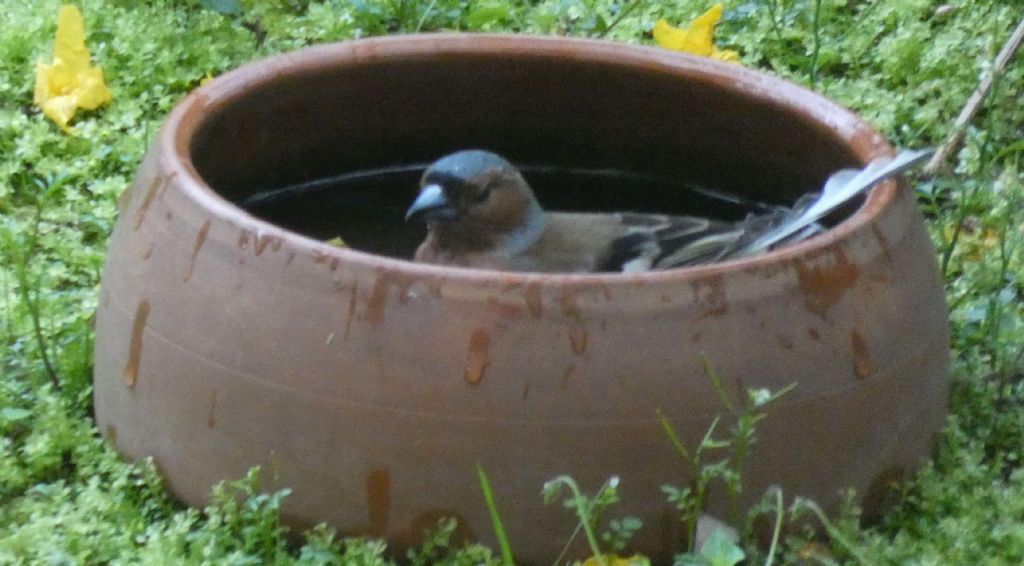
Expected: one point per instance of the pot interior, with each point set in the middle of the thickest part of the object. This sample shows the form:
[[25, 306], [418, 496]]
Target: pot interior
[[335, 144]]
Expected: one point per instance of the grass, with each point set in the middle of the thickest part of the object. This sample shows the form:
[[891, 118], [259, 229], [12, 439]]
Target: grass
[[66, 498]]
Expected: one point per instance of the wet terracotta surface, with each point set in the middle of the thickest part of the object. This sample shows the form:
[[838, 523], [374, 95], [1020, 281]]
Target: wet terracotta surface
[[372, 386]]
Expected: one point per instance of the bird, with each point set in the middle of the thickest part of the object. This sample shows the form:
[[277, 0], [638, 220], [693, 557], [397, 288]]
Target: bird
[[481, 213]]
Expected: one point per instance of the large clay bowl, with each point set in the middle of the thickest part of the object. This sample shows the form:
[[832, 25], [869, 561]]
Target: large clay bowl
[[372, 386]]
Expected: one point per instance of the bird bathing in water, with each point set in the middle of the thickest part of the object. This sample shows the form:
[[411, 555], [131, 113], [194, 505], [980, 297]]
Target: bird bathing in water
[[480, 212]]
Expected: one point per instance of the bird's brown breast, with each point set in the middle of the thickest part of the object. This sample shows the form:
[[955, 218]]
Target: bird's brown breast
[[574, 242]]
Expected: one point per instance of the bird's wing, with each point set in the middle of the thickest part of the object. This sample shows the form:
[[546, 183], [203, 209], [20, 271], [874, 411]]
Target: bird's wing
[[654, 241], [646, 242], [665, 242]]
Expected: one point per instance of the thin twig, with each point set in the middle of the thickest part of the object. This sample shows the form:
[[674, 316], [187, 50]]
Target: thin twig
[[777, 491], [622, 15], [774, 19], [426, 14], [8, 325], [975, 102], [32, 306], [817, 43], [20, 254], [801, 503]]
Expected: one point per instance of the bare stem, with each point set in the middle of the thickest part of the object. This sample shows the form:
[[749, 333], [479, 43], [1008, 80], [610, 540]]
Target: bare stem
[[975, 102]]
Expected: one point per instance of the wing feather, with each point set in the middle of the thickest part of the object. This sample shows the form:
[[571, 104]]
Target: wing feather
[[661, 242]]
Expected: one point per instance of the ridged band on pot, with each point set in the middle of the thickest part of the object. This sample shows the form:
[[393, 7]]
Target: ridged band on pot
[[372, 386]]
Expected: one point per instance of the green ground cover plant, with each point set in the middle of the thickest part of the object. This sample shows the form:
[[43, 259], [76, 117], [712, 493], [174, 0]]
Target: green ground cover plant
[[907, 66]]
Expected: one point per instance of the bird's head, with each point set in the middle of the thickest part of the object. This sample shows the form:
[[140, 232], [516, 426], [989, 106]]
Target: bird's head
[[473, 187]]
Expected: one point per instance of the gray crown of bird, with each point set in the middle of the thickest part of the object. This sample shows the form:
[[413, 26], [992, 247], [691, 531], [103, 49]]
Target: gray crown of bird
[[480, 212]]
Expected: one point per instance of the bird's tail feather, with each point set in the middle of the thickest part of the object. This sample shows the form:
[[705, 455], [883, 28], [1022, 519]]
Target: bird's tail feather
[[841, 186]]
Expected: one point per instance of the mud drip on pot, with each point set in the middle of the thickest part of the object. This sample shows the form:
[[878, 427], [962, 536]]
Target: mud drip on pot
[[862, 366], [131, 367], [476, 359], [201, 236]]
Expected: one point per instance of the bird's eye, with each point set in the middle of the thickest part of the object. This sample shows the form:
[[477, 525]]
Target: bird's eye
[[484, 193]]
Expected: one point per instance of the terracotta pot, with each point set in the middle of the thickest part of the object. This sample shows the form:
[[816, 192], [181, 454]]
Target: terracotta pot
[[372, 386]]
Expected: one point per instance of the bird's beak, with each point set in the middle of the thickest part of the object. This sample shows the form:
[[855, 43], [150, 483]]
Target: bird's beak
[[431, 204]]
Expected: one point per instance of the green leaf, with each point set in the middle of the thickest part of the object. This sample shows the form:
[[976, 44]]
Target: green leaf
[[487, 14], [499, 530], [720, 550], [12, 414]]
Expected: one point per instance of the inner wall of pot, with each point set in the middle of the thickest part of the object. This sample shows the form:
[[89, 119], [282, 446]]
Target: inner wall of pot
[[338, 151]]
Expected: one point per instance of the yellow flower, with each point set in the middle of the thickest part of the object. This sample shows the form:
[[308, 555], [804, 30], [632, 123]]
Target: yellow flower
[[69, 83], [974, 241], [695, 38]]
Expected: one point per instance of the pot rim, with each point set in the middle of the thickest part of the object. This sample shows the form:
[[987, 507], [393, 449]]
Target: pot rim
[[174, 142]]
